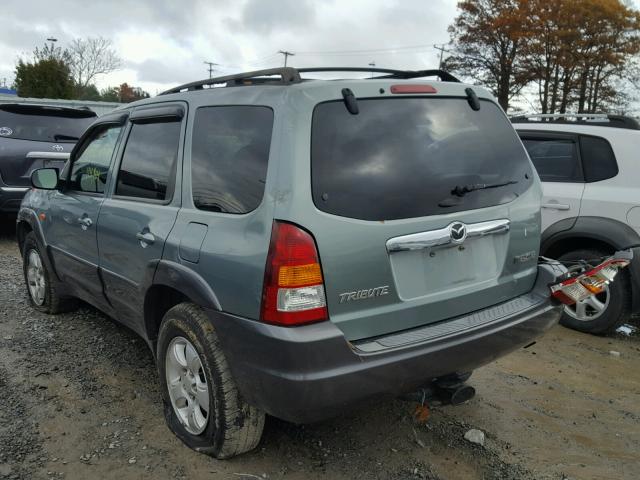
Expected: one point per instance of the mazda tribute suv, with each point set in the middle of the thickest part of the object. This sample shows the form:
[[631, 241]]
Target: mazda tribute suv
[[293, 246]]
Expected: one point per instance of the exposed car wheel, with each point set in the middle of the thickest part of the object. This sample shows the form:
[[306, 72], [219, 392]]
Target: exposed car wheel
[[203, 406], [42, 287], [602, 313]]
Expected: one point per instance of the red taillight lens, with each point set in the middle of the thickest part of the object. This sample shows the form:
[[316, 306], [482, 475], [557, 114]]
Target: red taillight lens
[[589, 283], [293, 291]]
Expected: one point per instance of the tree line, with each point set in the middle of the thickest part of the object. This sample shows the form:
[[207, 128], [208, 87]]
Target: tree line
[[71, 72], [571, 54]]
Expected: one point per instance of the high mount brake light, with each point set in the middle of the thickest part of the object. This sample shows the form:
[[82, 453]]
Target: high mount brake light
[[293, 291], [412, 89], [591, 282]]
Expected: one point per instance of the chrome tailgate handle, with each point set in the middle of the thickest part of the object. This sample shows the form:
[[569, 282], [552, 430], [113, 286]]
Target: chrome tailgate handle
[[453, 234]]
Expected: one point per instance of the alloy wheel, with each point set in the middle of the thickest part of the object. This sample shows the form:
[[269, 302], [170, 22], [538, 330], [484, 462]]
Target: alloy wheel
[[187, 385], [36, 280]]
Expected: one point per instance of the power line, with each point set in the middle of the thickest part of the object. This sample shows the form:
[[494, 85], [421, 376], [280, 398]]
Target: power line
[[286, 55], [372, 50]]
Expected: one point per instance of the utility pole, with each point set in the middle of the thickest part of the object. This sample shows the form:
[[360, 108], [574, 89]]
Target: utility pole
[[286, 55], [52, 40], [372, 64], [211, 64], [442, 50]]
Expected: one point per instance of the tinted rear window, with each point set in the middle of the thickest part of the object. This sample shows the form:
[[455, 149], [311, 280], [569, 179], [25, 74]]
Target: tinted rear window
[[43, 124], [402, 158]]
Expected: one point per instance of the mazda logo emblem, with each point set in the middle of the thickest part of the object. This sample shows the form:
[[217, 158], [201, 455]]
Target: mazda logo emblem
[[458, 232], [58, 148]]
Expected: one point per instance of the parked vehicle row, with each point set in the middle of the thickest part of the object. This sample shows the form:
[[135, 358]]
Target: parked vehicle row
[[291, 247]]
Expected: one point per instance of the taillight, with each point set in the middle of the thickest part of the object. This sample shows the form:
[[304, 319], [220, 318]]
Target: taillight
[[293, 291], [589, 283]]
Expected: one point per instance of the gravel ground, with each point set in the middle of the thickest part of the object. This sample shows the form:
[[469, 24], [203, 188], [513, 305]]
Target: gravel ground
[[79, 399]]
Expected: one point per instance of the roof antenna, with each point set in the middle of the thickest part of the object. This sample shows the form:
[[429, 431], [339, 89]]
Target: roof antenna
[[350, 101]]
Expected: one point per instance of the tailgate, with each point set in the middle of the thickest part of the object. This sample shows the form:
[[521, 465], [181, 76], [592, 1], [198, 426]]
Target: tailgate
[[426, 210]]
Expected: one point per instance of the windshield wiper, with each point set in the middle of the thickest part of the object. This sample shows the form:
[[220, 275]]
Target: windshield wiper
[[462, 190], [60, 136]]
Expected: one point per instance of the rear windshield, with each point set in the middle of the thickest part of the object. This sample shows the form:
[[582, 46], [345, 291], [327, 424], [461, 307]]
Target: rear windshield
[[413, 157], [43, 124]]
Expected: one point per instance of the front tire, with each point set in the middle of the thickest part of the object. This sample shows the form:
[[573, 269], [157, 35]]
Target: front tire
[[203, 406], [603, 313], [43, 289]]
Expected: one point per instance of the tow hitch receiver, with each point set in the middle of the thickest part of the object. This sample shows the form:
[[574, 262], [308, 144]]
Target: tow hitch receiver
[[577, 287]]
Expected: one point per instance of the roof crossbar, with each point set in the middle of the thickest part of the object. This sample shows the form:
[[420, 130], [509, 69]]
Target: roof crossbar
[[290, 75]]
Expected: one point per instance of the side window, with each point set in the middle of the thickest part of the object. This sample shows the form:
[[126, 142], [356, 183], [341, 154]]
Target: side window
[[91, 166], [556, 160], [598, 160], [229, 157], [149, 161]]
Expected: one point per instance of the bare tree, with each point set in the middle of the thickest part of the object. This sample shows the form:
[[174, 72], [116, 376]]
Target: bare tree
[[91, 57], [487, 38]]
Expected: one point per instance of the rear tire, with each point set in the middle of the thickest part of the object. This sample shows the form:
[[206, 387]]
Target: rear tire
[[43, 289], [617, 306], [188, 348]]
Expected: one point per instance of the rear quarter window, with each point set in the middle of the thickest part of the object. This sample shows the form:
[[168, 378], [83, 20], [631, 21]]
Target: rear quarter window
[[229, 157], [402, 158], [598, 159], [555, 159]]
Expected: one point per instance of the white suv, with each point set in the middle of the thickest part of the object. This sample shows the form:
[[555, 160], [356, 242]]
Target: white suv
[[590, 170]]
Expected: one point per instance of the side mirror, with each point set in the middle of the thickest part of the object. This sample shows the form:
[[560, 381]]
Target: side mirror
[[45, 178]]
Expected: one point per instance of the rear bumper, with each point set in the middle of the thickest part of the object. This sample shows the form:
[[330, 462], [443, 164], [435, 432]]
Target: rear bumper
[[311, 373]]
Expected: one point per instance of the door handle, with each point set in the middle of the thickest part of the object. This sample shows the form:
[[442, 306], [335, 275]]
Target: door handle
[[145, 238], [556, 206], [85, 222]]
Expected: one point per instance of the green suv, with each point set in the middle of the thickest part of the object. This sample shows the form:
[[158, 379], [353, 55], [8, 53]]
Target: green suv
[[292, 246]]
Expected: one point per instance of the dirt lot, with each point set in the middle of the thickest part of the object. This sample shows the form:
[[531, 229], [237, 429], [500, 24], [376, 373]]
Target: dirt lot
[[79, 399]]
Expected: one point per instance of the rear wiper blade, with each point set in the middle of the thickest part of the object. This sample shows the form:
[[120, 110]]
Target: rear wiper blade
[[462, 190], [60, 136]]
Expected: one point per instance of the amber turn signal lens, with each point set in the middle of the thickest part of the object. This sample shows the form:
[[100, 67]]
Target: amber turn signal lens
[[299, 275]]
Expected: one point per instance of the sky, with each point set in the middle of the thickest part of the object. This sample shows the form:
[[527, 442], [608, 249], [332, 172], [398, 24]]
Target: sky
[[164, 43]]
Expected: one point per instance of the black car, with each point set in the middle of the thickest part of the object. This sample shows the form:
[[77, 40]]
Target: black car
[[34, 128]]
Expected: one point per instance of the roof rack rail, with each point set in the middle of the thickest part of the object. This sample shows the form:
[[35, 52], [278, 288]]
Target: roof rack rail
[[595, 119], [290, 75], [287, 76]]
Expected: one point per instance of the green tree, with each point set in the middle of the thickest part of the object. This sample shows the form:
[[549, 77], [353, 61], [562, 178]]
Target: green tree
[[48, 75], [89, 92], [110, 94], [46, 78]]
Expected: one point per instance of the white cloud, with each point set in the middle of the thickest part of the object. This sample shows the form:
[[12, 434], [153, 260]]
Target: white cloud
[[164, 42]]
